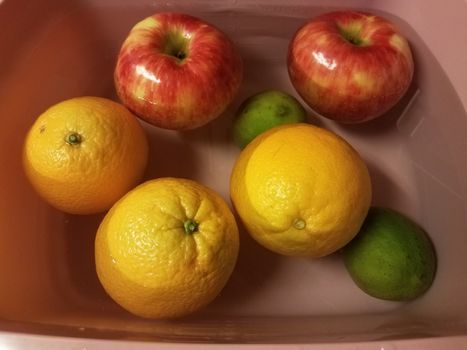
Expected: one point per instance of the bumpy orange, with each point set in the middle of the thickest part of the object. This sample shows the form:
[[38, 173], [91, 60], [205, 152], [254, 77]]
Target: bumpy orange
[[301, 190], [81, 155], [167, 248]]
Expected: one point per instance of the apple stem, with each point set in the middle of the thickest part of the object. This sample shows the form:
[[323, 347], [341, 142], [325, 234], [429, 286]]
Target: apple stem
[[176, 45], [352, 36], [180, 55]]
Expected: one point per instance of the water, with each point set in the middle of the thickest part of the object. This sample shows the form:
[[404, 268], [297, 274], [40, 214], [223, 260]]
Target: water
[[413, 162]]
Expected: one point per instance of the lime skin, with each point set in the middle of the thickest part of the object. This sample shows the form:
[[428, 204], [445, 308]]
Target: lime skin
[[391, 258], [264, 111]]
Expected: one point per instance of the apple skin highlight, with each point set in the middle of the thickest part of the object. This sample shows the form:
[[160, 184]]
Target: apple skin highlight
[[350, 66], [177, 72]]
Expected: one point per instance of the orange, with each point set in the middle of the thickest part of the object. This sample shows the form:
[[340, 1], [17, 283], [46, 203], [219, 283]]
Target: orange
[[167, 248], [81, 155], [301, 190]]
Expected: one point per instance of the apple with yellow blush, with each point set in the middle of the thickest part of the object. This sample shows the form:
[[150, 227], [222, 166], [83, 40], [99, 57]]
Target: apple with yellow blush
[[350, 66], [176, 71]]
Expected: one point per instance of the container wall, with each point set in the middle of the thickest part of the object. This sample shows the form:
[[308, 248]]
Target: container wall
[[416, 156]]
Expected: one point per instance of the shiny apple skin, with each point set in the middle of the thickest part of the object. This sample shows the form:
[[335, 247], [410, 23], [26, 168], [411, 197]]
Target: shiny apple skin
[[346, 82], [172, 93]]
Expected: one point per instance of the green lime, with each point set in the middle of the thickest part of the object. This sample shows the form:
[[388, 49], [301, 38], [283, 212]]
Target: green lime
[[264, 111], [392, 257]]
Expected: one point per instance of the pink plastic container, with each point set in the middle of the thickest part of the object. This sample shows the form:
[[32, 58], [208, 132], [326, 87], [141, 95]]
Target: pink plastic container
[[50, 297]]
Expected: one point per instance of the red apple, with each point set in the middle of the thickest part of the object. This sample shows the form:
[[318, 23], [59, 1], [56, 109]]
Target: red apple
[[350, 66], [177, 72]]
